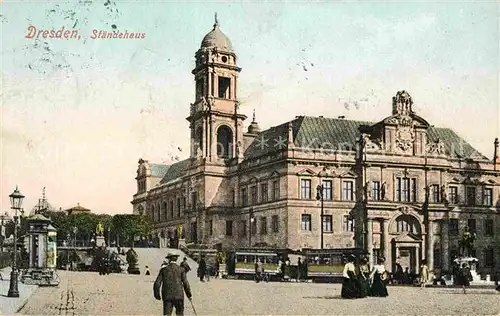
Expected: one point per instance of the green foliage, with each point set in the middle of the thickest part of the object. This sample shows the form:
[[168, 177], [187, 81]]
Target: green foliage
[[124, 225]]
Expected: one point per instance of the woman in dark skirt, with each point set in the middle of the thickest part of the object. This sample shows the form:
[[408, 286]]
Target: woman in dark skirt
[[464, 277], [380, 277], [350, 284], [364, 278]]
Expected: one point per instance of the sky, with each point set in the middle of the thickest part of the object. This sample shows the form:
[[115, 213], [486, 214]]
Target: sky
[[77, 114]]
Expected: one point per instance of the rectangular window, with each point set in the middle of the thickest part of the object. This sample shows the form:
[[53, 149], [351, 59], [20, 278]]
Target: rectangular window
[[305, 222], [264, 193], [348, 224], [453, 227], [224, 88], [179, 207], [276, 190], [406, 189], [327, 223], [253, 194], [489, 258], [263, 225], [489, 227], [199, 88], [229, 228], [435, 193], [194, 200], [473, 253], [470, 195], [233, 196], [453, 195], [376, 190], [171, 208], [414, 190], [327, 189], [243, 228], [471, 224], [305, 189], [347, 190], [275, 223], [254, 226], [244, 197], [211, 227], [488, 197]]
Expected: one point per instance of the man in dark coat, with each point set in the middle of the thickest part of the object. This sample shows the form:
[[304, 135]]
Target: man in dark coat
[[173, 283], [202, 269]]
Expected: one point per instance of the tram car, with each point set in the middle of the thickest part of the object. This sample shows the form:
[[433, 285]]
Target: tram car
[[327, 265], [241, 262]]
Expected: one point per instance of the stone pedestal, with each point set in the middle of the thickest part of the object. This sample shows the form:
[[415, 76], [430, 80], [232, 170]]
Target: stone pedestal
[[182, 243], [100, 241]]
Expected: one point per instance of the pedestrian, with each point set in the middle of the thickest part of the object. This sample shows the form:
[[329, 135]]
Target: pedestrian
[[173, 283], [147, 272], [424, 274], [364, 278], [379, 278], [299, 269], [464, 277], [202, 269], [349, 284], [185, 265]]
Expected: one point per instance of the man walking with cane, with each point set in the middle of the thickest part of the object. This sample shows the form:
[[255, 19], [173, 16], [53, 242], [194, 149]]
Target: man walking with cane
[[173, 283]]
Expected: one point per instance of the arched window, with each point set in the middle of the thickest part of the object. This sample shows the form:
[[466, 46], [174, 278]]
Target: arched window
[[407, 223], [158, 212], [224, 142], [199, 137], [152, 215]]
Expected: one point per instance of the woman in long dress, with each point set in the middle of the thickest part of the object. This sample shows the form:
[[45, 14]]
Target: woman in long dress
[[364, 278], [424, 273], [379, 277], [349, 284]]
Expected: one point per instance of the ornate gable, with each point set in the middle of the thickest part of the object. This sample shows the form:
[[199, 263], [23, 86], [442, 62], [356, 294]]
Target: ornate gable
[[306, 172]]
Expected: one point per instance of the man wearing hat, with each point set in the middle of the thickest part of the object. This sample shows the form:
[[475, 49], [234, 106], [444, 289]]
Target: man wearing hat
[[173, 283]]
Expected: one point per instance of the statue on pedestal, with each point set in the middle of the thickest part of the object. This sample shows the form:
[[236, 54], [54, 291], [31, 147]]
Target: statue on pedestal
[[99, 229], [467, 242]]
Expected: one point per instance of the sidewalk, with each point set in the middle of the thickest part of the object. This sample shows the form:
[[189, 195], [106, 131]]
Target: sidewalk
[[9, 305]]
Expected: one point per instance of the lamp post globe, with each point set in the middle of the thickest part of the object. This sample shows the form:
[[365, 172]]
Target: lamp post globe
[[16, 201]]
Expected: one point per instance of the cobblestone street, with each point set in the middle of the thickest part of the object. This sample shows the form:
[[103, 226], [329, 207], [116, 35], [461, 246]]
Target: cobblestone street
[[83, 293]]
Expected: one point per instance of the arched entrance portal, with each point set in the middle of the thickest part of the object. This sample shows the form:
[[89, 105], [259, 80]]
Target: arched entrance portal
[[406, 244]]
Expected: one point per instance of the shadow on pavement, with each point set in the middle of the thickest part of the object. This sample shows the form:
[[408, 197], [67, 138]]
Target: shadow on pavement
[[337, 297]]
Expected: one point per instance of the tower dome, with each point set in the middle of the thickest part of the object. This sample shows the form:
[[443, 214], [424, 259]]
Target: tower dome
[[254, 127], [216, 39]]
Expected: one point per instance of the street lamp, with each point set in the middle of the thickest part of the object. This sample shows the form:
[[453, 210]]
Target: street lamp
[[250, 228], [16, 200], [320, 197]]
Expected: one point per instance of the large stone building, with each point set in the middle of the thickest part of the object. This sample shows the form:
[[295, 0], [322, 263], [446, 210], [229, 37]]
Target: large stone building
[[397, 186]]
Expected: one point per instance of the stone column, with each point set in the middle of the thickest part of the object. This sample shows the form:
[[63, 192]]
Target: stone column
[[429, 245], [213, 140], [386, 243], [369, 238], [445, 247]]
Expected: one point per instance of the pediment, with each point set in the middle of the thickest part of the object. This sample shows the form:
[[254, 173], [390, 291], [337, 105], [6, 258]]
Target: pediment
[[348, 174], [306, 172], [491, 181], [408, 237], [397, 119], [274, 174], [253, 180], [455, 180]]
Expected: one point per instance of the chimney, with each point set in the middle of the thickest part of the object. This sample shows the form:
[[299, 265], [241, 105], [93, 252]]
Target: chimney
[[495, 154], [290, 134]]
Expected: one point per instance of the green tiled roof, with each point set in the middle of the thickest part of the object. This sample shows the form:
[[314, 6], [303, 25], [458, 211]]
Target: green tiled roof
[[175, 170], [159, 170], [331, 133]]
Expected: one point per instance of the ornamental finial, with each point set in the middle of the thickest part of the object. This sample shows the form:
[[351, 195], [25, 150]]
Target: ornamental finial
[[253, 117], [216, 21]]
